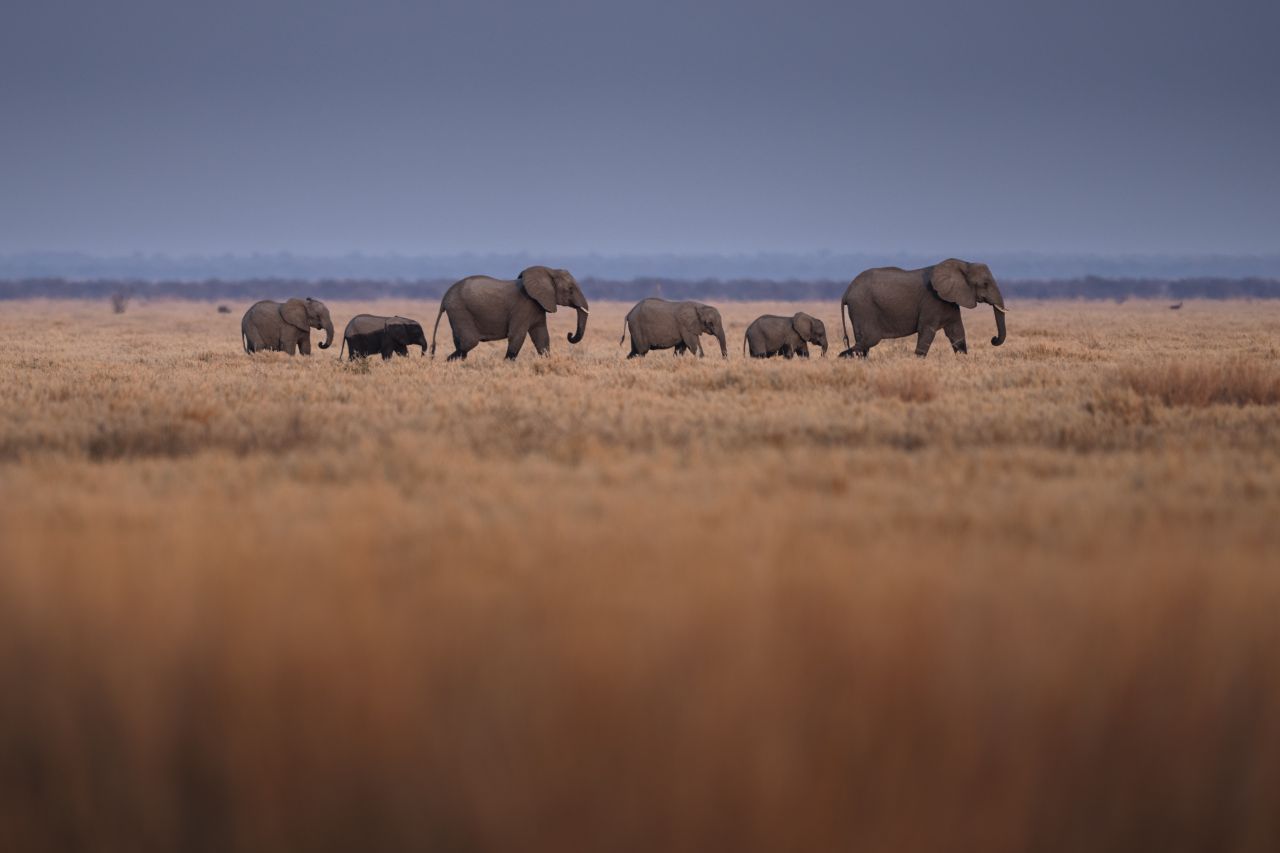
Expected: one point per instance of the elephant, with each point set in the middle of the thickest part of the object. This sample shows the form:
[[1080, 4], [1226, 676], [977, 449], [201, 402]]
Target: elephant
[[888, 302], [285, 326], [771, 335], [367, 334], [481, 308], [658, 324]]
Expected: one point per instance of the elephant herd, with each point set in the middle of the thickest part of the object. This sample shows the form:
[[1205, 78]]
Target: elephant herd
[[882, 303]]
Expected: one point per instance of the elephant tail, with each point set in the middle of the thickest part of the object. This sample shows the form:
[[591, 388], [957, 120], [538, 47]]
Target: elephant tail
[[244, 340], [436, 328], [844, 305], [340, 346], [744, 344], [624, 331]]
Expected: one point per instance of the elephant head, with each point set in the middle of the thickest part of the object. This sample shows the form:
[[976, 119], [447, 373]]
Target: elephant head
[[709, 321], [810, 329], [966, 285], [551, 287], [305, 314], [407, 333]]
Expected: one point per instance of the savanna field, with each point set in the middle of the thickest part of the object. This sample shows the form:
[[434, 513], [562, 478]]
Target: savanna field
[[1023, 599]]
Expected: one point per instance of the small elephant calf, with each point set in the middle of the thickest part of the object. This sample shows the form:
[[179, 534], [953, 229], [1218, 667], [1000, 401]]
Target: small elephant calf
[[772, 335], [369, 334], [658, 324]]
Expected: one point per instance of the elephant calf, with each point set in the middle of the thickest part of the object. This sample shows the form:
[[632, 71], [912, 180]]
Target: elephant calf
[[285, 326], [772, 335], [369, 334], [659, 324]]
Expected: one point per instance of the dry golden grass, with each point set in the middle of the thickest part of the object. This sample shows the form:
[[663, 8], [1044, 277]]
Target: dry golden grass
[[1025, 599]]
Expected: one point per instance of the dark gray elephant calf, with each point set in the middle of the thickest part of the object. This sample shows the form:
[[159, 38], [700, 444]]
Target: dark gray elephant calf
[[772, 335], [369, 334], [659, 324], [889, 302]]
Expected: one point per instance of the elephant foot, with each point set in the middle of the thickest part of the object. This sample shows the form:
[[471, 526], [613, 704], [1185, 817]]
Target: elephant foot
[[457, 356], [852, 353], [924, 354], [960, 348]]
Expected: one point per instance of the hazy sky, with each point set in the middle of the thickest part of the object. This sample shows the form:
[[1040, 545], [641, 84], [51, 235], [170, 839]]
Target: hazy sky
[[325, 127]]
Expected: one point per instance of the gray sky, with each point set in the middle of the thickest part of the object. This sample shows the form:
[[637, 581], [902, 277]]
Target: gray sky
[[951, 127]]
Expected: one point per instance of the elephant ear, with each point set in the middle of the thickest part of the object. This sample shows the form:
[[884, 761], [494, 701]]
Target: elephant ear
[[949, 282], [397, 331], [706, 314], [803, 324], [294, 313], [536, 282]]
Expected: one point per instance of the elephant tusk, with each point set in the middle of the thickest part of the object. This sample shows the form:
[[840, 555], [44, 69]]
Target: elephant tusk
[[998, 308], [584, 310]]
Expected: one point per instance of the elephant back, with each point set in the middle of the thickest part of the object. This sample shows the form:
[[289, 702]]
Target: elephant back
[[364, 324]]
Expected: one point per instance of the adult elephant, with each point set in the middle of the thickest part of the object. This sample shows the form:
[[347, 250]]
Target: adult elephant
[[481, 308], [659, 324], [370, 334], [285, 326], [889, 302], [772, 335]]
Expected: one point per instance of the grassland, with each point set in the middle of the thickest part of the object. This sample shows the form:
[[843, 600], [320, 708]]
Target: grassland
[[1025, 599]]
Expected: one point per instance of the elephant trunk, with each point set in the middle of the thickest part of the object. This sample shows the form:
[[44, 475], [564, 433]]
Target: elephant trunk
[[998, 310], [724, 349], [577, 334], [327, 325]]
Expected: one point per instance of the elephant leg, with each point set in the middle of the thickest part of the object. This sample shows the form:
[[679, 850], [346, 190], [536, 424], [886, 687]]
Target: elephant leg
[[691, 343], [924, 339], [860, 348], [289, 346], [639, 343], [541, 338], [514, 343], [465, 336], [518, 328], [955, 333], [514, 346], [304, 344], [802, 351]]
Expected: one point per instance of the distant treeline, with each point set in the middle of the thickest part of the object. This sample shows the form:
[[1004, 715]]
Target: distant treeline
[[248, 290]]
